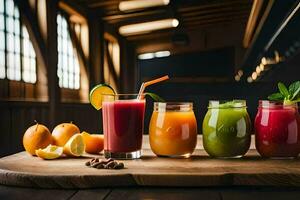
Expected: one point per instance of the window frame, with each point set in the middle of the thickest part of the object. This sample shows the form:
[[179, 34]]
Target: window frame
[[21, 40], [69, 90]]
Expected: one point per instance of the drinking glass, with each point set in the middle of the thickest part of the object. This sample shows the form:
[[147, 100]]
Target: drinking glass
[[123, 125]]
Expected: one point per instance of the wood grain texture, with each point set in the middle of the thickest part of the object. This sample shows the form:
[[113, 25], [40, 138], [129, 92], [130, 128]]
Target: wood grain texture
[[93, 194], [260, 194], [163, 193], [199, 170], [17, 193]]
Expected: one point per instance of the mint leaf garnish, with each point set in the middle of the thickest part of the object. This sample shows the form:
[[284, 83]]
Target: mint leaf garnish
[[276, 97], [155, 97], [288, 95], [294, 89], [283, 90]]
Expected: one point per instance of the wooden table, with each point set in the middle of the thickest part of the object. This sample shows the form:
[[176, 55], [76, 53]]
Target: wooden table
[[151, 177]]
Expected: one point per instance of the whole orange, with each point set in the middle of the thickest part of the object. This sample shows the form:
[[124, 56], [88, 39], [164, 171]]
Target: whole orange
[[63, 132], [94, 143], [36, 137]]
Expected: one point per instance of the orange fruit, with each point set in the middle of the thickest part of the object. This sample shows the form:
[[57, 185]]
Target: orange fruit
[[50, 152], [94, 143], [63, 132], [75, 146], [36, 137]]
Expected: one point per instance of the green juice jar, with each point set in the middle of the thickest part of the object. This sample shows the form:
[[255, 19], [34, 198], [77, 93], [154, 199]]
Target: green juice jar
[[227, 129]]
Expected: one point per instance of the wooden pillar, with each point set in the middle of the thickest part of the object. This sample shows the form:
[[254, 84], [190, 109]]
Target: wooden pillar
[[128, 78], [95, 50], [52, 60]]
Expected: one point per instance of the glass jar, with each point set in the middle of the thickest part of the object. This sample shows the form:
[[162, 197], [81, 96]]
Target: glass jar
[[227, 129], [277, 130], [173, 129]]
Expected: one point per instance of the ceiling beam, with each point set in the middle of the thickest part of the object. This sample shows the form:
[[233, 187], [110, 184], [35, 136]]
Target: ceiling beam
[[215, 16], [217, 10], [210, 5], [252, 21]]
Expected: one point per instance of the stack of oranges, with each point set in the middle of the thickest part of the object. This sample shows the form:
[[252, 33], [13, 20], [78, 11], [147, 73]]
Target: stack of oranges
[[65, 139]]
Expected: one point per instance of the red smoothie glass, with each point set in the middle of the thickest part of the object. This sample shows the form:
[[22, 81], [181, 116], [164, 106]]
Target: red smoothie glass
[[123, 125], [277, 130]]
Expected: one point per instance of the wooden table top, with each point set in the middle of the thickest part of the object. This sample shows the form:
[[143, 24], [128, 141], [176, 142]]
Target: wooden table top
[[24, 170]]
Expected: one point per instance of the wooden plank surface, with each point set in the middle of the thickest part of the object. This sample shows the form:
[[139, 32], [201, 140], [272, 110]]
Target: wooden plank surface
[[7, 193], [199, 170], [164, 193], [93, 194], [130, 193]]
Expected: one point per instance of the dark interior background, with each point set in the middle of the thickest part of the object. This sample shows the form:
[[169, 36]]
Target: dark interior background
[[212, 43]]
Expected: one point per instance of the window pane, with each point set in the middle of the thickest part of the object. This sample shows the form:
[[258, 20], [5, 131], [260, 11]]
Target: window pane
[[32, 65], [77, 82], [2, 72], [33, 78], [26, 76], [14, 52], [26, 64], [9, 7], [17, 45], [10, 74], [1, 22], [17, 27], [16, 12], [10, 24], [10, 42], [1, 6], [10, 60], [29, 59], [2, 65], [67, 59], [17, 62], [2, 37]]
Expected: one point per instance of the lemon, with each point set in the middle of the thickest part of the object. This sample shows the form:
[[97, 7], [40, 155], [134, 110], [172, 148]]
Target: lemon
[[75, 146], [50, 152], [97, 92]]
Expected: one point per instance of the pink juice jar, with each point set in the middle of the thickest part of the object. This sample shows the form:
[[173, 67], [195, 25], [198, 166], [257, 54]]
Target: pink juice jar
[[277, 130], [123, 125]]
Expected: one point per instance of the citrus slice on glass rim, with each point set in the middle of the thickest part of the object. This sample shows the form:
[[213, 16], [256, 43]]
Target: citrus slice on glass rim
[[97, 92]]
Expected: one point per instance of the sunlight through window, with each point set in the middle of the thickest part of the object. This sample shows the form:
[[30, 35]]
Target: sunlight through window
[[68, 70], [15, 45]]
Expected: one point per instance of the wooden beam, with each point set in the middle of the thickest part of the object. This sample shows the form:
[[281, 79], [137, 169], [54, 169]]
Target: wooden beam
[[72, 7], [52, 55], [221, 9], [111, 67], [76, 43], [212, 4], [205, 18], [252, 21], [192, 25], [97, 4], [96, 52], [119, 18]]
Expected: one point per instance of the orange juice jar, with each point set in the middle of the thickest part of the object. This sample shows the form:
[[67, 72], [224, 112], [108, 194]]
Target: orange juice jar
[[173, 129]]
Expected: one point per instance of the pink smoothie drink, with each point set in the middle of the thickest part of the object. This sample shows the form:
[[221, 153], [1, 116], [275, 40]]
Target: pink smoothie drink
[[123, 125]]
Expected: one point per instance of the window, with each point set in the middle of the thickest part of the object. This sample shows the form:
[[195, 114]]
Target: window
[[68, 70], [17, 56]]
